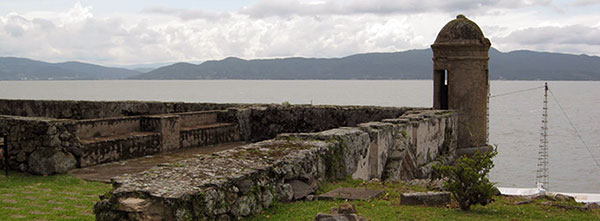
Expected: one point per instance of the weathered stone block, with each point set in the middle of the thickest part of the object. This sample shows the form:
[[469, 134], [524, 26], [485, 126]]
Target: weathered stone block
[[425, 198], [210, 188], [169, 127], [381, 143], [50, 161], [300, 189]]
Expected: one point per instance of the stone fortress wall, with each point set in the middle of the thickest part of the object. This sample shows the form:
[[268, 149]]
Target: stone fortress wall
[[246, 180], [295, 145], [101, 132]]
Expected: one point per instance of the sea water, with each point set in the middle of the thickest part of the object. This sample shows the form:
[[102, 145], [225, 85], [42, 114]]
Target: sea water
[[515, 119]]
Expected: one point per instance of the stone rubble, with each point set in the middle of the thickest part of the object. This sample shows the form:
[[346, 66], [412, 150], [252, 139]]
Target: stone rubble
[[345, 212]]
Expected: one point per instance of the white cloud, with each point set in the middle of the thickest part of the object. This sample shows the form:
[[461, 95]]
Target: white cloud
[[265, 8], [282, 28], [573, 34], [186, 14], [570, 39], [74, 35], [76, 14], [79, 35]]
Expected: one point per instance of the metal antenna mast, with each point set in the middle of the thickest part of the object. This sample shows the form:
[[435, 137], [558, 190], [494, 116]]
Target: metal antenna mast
[[542, 170]]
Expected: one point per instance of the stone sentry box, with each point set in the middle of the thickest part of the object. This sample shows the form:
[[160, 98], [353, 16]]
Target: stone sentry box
[[461, 80]]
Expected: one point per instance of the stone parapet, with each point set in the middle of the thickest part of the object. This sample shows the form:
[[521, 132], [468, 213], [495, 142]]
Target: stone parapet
[[246, 180], [81, 143], [233, 183]]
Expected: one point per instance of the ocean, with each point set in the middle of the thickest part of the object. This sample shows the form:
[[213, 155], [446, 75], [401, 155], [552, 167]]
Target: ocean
[[515, 119]]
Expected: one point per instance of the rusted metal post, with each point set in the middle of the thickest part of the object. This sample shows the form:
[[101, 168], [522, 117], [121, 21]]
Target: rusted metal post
[[4, 145]]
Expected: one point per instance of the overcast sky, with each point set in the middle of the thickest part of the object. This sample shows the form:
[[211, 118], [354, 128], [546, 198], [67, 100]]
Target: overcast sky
[[122, 32]]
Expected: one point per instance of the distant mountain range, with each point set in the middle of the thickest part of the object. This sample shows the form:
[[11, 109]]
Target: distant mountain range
[[26, 69], [412, 64]]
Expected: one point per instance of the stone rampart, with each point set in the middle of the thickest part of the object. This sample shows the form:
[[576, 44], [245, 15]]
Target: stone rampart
[[101, 132], [47, 145], [79, 110], [245, 180], [266, 122]]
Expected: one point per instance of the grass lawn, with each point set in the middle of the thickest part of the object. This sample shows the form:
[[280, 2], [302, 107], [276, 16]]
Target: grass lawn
[[60, 197], [64, 197], [388, 208]]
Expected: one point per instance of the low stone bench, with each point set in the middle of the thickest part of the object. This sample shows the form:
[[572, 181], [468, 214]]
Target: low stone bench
[[425, 198], [192, 119], [97, 150], [202, 135]]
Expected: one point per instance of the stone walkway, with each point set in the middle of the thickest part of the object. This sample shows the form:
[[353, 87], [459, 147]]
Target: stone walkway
[[104, 172]]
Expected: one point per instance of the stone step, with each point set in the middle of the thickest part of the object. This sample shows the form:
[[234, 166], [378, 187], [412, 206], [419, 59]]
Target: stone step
[[191, 119], [124, 136], [203, 135], [97, 150], [207, 126]]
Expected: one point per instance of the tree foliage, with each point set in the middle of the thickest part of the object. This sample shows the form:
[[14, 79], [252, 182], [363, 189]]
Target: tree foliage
[[467, 179]]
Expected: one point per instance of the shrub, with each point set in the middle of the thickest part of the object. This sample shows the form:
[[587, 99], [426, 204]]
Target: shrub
[[467, 179]]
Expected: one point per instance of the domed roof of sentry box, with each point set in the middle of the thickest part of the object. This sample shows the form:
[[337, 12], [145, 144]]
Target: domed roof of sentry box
[[461, 31]]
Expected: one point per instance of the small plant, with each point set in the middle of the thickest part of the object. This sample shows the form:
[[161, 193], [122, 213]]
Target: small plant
[[467, 179], [404, 133], [286, 103]]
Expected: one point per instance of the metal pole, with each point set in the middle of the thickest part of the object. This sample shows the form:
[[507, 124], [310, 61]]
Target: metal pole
[[542, 171], [5, 152]]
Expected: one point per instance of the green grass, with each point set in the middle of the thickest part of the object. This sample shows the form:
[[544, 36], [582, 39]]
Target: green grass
[[60, 197], [64, 197], [388, 207]]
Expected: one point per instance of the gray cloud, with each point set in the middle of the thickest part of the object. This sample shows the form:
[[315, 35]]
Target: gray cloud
[[265, 8], [355, 28], [186, 14], [573, 34], [574, 39], [89, 39], [114, 40]]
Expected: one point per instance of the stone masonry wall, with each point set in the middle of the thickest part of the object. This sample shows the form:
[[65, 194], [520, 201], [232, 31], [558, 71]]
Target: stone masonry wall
[[107, 126], [420, 140], [269, 121], [46, 146], [99, 109], [248, 179], [116, 135], [109, 150], [40, 145], [223, 133], [396, 149]]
